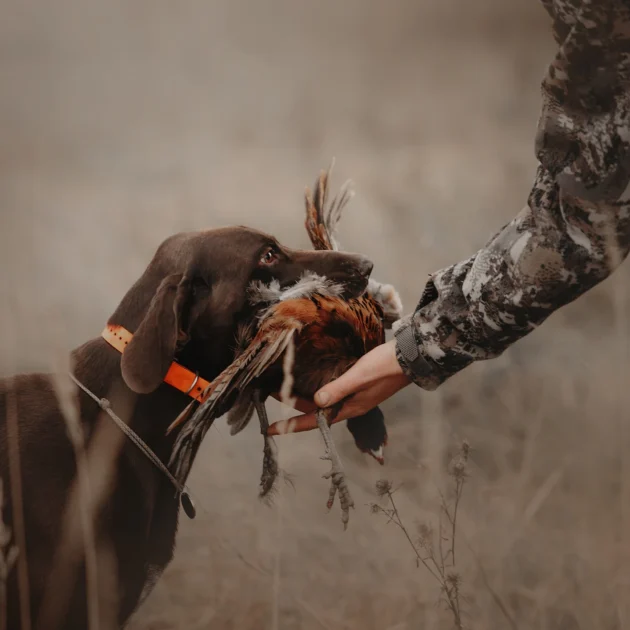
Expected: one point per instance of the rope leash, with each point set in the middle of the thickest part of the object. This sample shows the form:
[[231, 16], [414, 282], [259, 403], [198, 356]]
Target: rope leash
[[182, 491]]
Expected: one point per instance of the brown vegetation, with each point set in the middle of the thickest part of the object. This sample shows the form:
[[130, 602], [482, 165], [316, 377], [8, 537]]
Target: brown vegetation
[[123, 122]]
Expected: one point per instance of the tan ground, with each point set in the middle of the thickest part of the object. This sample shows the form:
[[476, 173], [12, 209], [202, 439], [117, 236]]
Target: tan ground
[[122, 122]]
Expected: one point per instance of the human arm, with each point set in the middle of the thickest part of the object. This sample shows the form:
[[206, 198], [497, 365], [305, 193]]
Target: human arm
[[573, 232]]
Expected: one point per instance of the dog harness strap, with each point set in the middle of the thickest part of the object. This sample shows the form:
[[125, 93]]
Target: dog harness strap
[[178, 376]]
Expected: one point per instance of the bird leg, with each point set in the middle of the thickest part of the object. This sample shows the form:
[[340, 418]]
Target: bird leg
[[336, 474], [270, 461]]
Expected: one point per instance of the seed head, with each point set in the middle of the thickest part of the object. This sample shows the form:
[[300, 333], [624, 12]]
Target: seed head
[[425, 536], [465, 450], [459, 469], [383, 487]]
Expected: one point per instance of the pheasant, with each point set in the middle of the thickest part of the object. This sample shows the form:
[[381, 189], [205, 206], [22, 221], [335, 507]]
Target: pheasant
[[369, 431], [301, 338]]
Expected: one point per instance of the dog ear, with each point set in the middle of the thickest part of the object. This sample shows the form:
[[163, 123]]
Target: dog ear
[[148, 356]]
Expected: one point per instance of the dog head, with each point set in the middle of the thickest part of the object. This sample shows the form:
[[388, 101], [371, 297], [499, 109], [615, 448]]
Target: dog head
[[194, 293]]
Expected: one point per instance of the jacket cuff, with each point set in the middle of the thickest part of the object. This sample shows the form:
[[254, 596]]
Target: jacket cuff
[[421, 369]]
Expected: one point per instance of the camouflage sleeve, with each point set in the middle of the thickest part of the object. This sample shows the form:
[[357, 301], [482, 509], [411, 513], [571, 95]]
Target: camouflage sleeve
[[574, 230]]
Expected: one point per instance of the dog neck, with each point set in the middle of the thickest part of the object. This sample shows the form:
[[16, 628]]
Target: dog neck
[[96, 364]]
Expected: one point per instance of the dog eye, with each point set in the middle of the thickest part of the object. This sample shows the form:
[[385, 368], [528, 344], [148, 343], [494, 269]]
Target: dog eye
[[268, 257]]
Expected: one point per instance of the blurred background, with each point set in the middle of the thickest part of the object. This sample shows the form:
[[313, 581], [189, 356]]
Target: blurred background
[[124, 122]]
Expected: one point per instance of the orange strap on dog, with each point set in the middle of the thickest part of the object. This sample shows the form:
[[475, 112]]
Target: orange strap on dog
[[177, 376]]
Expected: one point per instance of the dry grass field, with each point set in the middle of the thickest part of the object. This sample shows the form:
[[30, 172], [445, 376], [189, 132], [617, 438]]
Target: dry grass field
[[123, 122]]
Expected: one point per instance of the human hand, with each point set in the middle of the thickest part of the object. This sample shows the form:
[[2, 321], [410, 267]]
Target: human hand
[[372, 379]]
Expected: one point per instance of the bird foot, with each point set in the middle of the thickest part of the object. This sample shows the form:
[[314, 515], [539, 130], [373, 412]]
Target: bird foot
[[338, 485], [336, 474], [270, 468]]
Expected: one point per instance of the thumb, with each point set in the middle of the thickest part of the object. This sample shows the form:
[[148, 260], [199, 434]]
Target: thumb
[[338, 389]]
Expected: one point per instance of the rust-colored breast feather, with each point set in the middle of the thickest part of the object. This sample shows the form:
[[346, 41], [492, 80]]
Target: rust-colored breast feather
[[331, 335], [363, 315]]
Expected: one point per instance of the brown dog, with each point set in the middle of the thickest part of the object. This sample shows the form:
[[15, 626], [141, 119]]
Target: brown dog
[[186, 306]]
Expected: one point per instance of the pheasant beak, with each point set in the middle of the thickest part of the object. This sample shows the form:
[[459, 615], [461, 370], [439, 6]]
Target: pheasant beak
[[378, 455]]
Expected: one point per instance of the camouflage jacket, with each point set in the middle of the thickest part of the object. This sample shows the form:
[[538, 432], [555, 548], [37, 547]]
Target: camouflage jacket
[[575, 228]]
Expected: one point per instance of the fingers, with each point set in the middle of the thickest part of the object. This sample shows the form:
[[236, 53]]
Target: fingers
[[301, 404], [358, 405], [297, 424], [378, 364], [348, 383], [308, 421], [373, 379]]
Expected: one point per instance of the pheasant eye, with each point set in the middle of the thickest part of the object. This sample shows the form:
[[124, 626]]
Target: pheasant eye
[[269, 257]]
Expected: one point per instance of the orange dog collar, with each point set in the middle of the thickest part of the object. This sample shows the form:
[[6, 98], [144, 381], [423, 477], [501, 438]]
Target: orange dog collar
[[178, 376]]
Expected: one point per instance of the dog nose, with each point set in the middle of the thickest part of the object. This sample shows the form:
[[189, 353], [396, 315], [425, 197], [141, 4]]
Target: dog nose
[[365, 267]]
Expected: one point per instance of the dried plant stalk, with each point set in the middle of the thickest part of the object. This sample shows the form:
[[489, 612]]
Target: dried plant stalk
[[91, 488], [67, 396], [15, 477], [8, 556], [287, 368], [102, 455], [438, 561]]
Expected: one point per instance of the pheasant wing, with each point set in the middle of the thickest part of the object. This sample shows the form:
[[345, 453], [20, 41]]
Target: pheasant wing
[[266, 348]]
